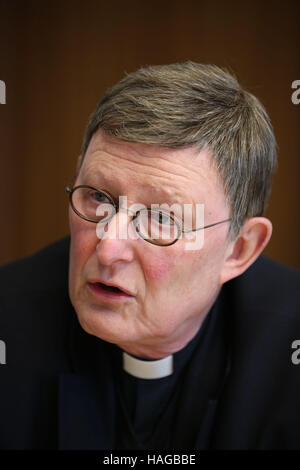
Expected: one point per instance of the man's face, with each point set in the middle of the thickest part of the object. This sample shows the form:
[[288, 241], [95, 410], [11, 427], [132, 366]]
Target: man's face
[[169, 289]]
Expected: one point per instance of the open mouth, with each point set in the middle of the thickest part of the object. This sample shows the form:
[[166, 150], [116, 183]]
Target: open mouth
[[109, 292], [110, 288]]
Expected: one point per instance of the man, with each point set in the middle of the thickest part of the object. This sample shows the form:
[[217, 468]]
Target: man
[[158, 326]]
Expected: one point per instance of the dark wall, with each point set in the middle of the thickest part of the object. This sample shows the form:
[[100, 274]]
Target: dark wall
[[57, 58]]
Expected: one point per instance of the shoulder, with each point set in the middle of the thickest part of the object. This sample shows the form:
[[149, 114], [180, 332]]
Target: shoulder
[[45, 269], [35, 310], [268, 285], [272, 271], [263, 305], [261, 399]]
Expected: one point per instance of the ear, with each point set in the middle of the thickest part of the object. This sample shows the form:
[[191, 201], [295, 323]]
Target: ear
[[254, 236]]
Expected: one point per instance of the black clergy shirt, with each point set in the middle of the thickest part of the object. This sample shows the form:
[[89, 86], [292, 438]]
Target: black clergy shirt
[[169, 412]]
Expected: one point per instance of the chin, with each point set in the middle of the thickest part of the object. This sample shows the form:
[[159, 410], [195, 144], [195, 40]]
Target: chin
[[95, 324]]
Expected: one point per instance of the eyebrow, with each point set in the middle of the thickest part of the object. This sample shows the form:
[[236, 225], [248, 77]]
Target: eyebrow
[[93, 179], [88, 177]]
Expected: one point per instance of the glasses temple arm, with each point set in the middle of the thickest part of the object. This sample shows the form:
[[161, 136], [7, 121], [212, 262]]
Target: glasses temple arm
[[206, 226]]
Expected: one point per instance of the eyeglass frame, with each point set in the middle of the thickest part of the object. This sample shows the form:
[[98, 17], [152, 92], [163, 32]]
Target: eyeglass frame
[[70, 192]]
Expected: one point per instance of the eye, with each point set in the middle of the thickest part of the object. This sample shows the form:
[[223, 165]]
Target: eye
[[161, 218], [99, 197], [96, 197]]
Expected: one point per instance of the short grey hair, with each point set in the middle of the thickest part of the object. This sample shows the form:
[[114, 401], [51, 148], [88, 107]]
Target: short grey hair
[[191, 104]]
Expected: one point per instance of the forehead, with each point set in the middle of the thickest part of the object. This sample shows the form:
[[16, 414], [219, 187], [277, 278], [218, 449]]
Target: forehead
[[143, 171]]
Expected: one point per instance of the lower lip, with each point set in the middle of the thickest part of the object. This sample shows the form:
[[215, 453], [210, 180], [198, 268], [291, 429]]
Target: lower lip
[[104, 294]]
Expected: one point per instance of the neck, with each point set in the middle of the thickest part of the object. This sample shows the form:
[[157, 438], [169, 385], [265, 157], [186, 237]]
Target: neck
[[162, 349]]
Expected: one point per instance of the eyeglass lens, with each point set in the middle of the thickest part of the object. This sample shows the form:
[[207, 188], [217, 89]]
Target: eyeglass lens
[[156, 226]]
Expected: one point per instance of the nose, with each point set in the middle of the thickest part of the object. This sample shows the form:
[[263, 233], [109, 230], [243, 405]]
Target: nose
[[115, 244]]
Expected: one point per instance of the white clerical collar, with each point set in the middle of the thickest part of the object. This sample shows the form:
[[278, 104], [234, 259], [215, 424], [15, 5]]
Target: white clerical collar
[[155, 369]]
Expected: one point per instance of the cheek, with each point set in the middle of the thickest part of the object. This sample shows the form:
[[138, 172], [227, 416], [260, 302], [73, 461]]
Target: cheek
[[77, 238], [157, 271], [161, 267], [83, 241]]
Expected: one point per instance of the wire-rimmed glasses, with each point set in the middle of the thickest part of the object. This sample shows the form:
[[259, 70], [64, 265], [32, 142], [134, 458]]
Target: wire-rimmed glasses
[[156, 226]]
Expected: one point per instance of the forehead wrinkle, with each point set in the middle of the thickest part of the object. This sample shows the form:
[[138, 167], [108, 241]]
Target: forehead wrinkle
[[163, 193], [151, 190], [193, 180], [191, 155], [197, 182], [182, 173], [158, 174]]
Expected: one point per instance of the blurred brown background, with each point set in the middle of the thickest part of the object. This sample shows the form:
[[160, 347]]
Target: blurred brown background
[[58, 57]]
